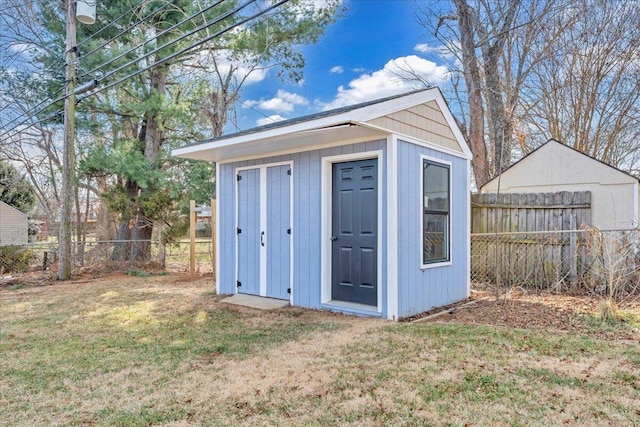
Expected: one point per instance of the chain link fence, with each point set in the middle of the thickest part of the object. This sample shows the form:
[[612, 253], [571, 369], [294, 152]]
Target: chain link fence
[[601, 262], [174, 257], [587, 260]]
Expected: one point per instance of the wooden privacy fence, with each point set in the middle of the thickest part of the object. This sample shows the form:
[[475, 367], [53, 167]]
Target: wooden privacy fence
[[529, 239], [517, 212]]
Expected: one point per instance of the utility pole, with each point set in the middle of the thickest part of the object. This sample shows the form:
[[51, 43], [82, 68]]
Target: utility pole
[[68, 159]]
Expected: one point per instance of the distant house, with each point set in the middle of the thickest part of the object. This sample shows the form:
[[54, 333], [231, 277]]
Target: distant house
[[14, 226], [555, 167], [363, 210]]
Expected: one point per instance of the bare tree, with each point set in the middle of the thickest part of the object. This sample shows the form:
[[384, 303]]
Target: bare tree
[[491, 40], [534, 70], [586, 90]]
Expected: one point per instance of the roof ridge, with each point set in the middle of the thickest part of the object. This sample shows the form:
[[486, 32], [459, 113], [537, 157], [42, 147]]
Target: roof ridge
[[567, 146], [307, 117]]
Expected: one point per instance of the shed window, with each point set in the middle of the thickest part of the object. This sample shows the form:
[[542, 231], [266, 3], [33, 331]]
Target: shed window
[[436, 208]]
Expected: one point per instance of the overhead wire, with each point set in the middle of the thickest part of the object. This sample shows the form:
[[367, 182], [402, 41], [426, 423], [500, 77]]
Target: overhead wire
[[168, 58], [113, 22], [122, 32], [217, 20], [198, 43], [163, 32], [130, 10], [59, 65]]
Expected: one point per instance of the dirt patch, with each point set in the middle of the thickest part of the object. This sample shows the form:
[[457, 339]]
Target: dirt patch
[[517, 309], [569, 313]]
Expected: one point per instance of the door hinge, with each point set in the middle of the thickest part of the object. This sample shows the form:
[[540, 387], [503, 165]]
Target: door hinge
[[289, 172], [288, 231], [238, 283], [288, 290], [238, 177], [238, 230]]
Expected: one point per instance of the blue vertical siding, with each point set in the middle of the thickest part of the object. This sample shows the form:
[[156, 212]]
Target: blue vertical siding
[[249, 237], [277, 239], [226, 228], [306, 219], [419, 289]]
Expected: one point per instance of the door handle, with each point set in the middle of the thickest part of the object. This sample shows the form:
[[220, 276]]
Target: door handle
[[334, 238], [262, 239]]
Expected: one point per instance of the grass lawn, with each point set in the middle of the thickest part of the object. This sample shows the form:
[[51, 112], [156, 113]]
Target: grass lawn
[[160, 350]]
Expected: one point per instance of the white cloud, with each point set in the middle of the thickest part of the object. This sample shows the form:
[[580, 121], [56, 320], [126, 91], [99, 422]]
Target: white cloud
[[29, 50], [303, 8], [243, 67], [283, 102], [446, 53], [338, 69], [271, 119], [398, 76], [424, 48], [292, 98]]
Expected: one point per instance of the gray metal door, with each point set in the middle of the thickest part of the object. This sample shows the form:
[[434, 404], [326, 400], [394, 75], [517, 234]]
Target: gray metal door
[[354, 263], [249, 231]]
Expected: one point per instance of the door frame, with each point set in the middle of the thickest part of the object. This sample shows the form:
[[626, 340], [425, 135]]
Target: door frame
[[326, 205], [263, 224]]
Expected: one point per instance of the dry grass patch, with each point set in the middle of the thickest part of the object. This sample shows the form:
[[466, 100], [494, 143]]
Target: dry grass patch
[[143, 351]]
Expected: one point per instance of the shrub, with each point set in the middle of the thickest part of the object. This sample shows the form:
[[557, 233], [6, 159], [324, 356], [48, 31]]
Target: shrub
[[14, 259], [608, 311]]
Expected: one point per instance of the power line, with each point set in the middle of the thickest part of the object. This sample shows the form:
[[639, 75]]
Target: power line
[[60, 64], [198, 43], [57, 66], [166, 59], [124, 31], [219, 19], [113, 22], [173, 27], [50, 103]]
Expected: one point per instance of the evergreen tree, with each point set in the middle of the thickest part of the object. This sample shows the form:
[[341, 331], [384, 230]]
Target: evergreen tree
[[126, 132], [15, 190]]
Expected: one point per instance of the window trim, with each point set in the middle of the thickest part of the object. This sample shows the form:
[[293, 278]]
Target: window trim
[[449, 165]]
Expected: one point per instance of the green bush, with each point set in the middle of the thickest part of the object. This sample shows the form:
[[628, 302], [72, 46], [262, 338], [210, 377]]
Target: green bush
[[14, 259]]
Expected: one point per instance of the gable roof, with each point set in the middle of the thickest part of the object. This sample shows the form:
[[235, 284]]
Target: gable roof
[[551, 141], [14, 209], [341, 125]]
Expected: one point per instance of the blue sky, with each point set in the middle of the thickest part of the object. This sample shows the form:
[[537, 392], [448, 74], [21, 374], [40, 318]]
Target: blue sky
[[358, 59]]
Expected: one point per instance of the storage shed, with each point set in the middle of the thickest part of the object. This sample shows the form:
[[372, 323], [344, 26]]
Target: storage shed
[[363, 210], [555, 167], [14, 226]]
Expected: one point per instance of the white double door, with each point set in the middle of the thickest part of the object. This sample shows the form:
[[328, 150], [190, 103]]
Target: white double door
[[263, 230]]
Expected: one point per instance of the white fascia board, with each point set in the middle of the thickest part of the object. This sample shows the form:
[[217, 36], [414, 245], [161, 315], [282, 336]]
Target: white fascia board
[[444, 108], [315, 146], [257, 136], [361, 114], [373, 111]]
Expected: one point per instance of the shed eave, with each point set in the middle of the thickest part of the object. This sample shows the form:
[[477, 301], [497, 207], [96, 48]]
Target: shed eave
[[257, 145]]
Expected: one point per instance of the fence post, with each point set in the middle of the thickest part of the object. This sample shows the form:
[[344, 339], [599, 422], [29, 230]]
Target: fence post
[[161, 248], [213, 237], [192, 239], [573, 250]]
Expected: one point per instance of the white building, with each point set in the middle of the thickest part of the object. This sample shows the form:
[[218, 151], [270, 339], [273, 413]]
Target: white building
[[555, 167], [14, 226]]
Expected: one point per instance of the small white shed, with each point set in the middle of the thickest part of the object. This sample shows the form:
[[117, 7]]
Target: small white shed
[[555, 167], [14, 226]]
